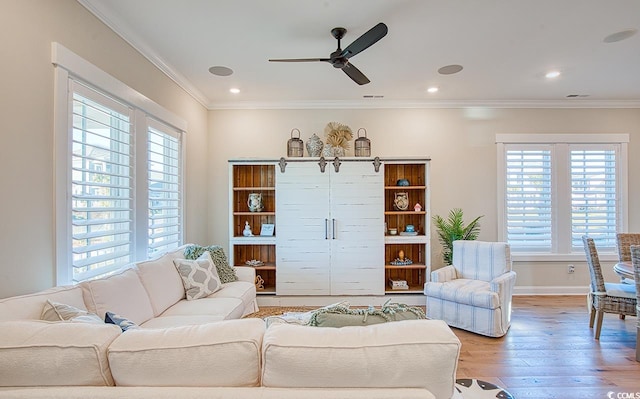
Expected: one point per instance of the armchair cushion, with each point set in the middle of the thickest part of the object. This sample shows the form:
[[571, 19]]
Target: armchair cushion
[[465, 291]]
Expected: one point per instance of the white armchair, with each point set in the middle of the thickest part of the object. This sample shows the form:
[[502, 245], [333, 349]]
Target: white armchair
[[474, 292]]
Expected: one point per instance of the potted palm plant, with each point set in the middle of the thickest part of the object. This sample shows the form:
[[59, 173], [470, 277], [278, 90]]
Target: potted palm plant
[[452, 228]]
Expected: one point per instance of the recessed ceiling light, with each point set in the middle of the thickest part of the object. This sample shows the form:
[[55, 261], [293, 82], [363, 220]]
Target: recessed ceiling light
[[450, 69], [234, 90], [220, 71], [618, 36], [552, 74], [432, 89]]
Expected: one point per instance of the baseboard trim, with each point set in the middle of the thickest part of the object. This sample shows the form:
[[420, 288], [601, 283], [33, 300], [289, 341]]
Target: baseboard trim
[[409, 299], [368, 300], [550, 290]]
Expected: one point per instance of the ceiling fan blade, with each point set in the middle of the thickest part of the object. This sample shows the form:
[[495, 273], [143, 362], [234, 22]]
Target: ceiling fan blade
[[355, 74], [366, 40], [300, 60]]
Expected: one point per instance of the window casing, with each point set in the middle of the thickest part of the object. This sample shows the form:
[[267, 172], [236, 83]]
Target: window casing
[[556, 188], [119, 164]]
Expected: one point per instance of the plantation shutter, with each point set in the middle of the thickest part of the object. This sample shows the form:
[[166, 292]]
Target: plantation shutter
[[164, 183], [593, 196], [101, 183], [528, 199]]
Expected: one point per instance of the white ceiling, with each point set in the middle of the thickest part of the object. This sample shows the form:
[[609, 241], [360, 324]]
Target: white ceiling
[[505, 47]]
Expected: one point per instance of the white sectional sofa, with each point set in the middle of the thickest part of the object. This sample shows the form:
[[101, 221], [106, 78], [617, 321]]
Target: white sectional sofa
[[201, 349]]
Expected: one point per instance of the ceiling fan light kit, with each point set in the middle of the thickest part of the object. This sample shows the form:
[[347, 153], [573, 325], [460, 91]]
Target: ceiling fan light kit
[[340, 58]]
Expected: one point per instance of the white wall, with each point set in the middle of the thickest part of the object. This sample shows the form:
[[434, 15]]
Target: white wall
[[27, 28], [463, 167]]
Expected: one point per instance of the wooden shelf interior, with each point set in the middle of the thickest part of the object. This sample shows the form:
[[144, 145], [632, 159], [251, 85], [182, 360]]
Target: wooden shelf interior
[[263, 252], [415, 252], [248, 176], [415, 173], [269, 277], [249, 179]]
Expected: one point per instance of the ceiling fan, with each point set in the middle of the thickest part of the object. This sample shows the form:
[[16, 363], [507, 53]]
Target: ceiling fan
[[340, 58]]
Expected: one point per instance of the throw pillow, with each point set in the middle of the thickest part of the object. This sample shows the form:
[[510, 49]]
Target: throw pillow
[[122, 322], [199, 276], [341, 316], [226, 272], [55, 311]]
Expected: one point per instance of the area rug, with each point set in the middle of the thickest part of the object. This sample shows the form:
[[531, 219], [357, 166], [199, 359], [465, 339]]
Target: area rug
[[267, 311], [467, 388]]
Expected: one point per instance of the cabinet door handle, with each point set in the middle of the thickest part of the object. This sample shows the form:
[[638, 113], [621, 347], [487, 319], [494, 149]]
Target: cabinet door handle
[[326, 229], [333, 222]]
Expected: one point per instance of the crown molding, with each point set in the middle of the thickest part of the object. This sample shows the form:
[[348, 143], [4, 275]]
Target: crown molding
[[96, 8], [416, 104]]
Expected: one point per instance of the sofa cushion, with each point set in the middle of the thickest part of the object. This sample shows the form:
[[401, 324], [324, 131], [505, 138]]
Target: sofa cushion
[[121, 293], [199, 276], [179, 321], [41, 353], [54, 311], [226, 353], [301, 356], [212, 393], [226, 272], [30, 306], [162, 282], [229, 308], [238, 289], [469, 292]]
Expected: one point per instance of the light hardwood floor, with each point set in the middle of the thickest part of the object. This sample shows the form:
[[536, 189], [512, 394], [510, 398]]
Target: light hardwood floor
[[550, 352]]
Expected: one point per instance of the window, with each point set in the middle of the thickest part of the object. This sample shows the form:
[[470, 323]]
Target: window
[[164, 182], [118, 173], [557, 188], [101, 184]]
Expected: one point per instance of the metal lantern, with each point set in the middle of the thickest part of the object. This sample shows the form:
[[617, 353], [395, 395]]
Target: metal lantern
[[295, 147], [362, 145]]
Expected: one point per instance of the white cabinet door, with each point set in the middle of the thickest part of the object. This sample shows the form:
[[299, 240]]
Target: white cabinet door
[[302, 235], [330, 230], [357, 239]]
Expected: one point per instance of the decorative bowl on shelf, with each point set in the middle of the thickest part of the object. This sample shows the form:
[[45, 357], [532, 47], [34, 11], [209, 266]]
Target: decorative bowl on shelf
[[402, 182], [404, 262]]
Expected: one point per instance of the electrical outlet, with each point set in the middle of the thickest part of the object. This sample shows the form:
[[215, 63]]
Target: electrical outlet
[[571, 269]]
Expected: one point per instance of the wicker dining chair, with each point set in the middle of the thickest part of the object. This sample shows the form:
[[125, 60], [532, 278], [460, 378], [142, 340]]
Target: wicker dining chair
[[624, 242], [635, 258], [606, 297]]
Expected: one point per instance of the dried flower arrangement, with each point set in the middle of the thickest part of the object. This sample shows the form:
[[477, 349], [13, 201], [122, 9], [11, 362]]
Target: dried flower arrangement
[[338, 135]]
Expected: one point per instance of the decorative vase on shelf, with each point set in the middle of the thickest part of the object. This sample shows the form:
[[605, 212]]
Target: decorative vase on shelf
[[254, 202], [314, 146]]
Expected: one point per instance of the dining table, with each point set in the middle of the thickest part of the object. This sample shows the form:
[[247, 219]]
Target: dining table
[[624, 270]]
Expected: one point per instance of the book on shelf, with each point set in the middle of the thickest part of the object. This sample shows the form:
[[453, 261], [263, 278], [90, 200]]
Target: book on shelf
[[398, 284]]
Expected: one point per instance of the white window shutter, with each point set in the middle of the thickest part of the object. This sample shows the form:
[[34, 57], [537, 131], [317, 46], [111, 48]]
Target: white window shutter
[[164, 185], [528, 199], [101, 184], [593, 196]]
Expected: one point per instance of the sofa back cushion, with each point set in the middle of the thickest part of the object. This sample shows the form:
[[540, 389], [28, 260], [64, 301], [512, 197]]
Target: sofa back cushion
[[31, 306], [121, 293], [162, 281], [402, 354], [222, 354], [41, 353]]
